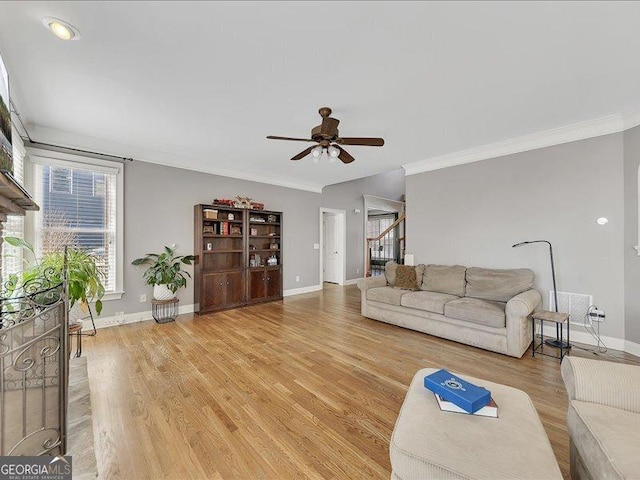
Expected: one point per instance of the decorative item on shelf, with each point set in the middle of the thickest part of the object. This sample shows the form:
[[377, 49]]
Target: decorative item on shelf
[[272, 218], [257, 206], [242, 202], [231, 216], [165, 272], [252, 247], [255, 260], [236, 230], [208, 229], [273, 246], [257, 219], [253, 231], [272, 261], [224, 201], [210, 214], [209, 246], [273, 234]]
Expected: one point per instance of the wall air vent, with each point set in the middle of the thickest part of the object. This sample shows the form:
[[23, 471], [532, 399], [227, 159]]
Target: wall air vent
[[575, 304]]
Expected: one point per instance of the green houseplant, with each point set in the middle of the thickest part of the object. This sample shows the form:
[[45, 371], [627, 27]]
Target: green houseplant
[[84, 274], [165, 272]]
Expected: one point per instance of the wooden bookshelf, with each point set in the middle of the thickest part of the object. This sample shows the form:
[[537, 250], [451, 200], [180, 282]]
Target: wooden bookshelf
[[238, 257]]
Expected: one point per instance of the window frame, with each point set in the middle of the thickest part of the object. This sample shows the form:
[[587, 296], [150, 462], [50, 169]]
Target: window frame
[[38, 156]]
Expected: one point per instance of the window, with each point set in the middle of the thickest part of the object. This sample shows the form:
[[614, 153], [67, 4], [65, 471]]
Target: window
[[60, 180], [14, 226], [80, 204]]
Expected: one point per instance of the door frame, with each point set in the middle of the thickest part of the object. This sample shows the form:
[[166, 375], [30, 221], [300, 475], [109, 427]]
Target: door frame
[[371, 202], [342, 263]]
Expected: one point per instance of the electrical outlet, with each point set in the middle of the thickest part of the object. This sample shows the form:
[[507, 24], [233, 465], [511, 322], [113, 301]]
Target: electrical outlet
[[143, 297], [297, 278], [357, 270]]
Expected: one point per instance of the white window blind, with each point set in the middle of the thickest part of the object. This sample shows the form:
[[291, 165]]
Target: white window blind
[[78, 207], [14, 226]]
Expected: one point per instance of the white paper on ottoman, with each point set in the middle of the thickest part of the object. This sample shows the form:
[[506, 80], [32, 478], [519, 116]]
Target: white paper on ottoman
[[428, 443]]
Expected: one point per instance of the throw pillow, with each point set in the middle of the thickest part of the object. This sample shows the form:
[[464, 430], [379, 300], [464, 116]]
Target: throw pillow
[[406, 278], [390, 272]]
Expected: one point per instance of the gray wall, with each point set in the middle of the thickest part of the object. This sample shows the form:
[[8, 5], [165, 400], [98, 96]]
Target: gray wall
[[472, 214], [159, 211], [631, 259], [348, 196]]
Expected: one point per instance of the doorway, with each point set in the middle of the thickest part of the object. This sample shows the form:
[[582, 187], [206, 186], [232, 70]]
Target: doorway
[[379, 214], [333, 246]]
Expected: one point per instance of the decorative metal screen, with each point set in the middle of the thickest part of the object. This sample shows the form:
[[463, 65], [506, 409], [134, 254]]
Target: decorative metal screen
[[34, 364]]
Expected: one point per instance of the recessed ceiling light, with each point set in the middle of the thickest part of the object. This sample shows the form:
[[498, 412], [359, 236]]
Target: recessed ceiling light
[[61, 29]]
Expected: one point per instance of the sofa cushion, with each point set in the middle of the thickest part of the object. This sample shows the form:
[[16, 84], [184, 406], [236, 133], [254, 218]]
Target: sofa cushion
[[606, 438], [388, 295], [391, 267], [406, 278], [429, 301], [497, 285], [448, 279], [474, 310]]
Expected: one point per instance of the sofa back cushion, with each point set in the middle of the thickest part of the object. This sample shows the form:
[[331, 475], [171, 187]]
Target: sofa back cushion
[[449, 279], [391, 268], [498, 285]]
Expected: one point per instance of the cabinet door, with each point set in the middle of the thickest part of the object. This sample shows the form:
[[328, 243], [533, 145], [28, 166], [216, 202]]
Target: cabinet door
[[257, 289], [234, 287], [274, 282], [213, 287]]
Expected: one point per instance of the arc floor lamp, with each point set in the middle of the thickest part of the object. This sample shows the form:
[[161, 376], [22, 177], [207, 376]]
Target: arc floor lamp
[[558, 342]]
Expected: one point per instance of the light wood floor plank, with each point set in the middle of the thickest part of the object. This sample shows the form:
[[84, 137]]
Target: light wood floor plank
[[306, 388]]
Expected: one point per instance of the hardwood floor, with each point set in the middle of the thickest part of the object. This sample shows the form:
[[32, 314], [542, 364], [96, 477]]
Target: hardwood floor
[[304, 388]]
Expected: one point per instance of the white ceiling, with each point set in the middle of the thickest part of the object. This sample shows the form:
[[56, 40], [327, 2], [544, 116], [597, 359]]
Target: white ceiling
[[199, 85]]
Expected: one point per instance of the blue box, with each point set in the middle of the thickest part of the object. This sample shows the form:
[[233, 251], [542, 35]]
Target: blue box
[[467, 396]]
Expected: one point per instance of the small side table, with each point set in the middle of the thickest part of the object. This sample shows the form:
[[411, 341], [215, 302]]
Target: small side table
[[164, 311], [75, 330], [559, 318]]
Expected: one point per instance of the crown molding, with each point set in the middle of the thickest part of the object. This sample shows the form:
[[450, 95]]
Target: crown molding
[[614, 123], [69, 140]]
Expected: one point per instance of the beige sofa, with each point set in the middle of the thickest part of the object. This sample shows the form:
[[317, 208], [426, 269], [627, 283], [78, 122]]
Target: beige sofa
[[603, 418], [485, 308]]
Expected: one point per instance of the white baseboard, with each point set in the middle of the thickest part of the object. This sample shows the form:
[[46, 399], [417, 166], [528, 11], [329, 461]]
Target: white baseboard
[[298, 291], [632, 348], [117, 320], [586, 338]]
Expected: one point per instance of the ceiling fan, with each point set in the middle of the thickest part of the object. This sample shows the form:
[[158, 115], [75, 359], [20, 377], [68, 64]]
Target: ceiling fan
[[328, 140]]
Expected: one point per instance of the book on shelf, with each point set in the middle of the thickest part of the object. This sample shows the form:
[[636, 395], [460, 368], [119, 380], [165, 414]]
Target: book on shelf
[[225, 228], [489, 410]]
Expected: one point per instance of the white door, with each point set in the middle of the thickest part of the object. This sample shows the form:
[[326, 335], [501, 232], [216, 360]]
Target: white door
[[331, 246]]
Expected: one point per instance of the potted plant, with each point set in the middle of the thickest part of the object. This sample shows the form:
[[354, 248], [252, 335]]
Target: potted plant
[[84, 276], [165, 272]]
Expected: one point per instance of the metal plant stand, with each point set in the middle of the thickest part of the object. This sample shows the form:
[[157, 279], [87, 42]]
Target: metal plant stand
[[164, 311]]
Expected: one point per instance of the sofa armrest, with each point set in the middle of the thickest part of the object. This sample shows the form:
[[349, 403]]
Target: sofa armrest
[[518, 318], [605, 383], [523, 304], [366, 283]]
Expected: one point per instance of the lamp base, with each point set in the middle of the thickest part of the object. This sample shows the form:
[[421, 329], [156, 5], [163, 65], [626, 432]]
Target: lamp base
[[557, 344]]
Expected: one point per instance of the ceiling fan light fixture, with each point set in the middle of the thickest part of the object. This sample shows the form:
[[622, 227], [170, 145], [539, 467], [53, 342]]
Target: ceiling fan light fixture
[[61, 29], [317, 152], [333, 152]]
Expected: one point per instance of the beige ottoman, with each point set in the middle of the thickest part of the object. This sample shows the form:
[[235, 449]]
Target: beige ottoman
[[428, 443]]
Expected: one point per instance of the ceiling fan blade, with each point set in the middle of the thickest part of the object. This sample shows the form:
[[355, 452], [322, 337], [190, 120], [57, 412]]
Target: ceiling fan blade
[[304, 153], [344, 155], [329, 126], [272, 137], [369, 142]]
